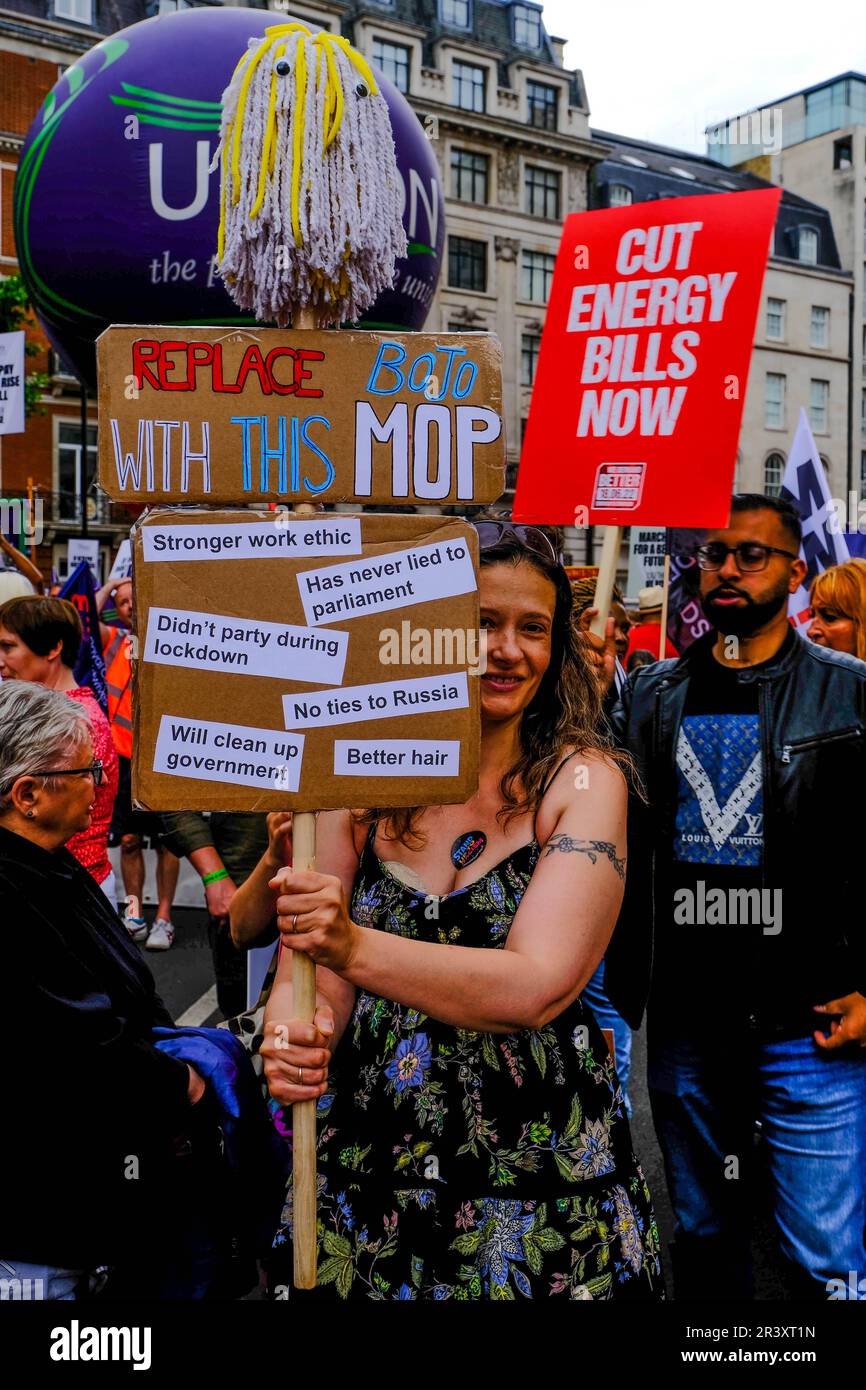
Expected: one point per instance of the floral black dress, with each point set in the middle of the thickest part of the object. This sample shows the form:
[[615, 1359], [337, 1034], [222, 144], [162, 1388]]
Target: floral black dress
[[464, 1165]]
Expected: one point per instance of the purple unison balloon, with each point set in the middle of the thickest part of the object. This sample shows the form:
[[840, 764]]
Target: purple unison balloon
[[116, 214]]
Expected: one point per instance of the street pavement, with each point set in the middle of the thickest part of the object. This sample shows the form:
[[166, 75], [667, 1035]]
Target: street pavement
[[184, 977]]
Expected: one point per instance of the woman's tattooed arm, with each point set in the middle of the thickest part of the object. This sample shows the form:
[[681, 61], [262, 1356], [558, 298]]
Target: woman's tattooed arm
[[592, 848]]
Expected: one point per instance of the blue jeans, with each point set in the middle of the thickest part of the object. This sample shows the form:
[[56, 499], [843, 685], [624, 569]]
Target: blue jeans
[[607, 1017], [705, 1097]]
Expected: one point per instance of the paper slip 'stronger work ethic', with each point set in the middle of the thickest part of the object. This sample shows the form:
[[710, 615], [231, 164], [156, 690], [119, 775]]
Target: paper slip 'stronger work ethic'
[[254, 541], [247, 647], [397, 580], [214, 752], [384, 700]]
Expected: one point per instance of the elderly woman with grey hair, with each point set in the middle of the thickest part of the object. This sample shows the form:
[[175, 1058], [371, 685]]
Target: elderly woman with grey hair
[[92, 1111]]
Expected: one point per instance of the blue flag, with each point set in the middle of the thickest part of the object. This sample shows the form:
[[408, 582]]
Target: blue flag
[[90, 667]]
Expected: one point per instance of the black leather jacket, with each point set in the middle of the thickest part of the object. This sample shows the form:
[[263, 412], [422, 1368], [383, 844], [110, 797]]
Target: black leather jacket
[[812, 710]]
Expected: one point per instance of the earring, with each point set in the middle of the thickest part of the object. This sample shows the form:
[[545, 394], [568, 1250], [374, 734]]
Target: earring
[[30, 815]]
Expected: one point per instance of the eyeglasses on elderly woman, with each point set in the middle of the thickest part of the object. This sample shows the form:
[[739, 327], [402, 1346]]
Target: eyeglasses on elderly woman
[[94, 770]]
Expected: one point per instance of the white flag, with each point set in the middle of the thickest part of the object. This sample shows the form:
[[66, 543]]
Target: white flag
[[823, 544]]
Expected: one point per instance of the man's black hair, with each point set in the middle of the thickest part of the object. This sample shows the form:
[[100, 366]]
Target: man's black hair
[[761, 502]]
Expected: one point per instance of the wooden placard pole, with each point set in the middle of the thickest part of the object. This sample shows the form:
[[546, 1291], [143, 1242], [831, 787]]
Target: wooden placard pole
[[606, 577], [304, 1007], [304, 1112], [665, 598]]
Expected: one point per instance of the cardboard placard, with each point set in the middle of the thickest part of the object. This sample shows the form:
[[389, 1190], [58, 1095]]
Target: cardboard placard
[[644, 360], [227, 415], [304, 664]]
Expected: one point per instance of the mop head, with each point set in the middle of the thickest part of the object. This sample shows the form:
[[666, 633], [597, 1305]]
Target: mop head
[[310, 194]]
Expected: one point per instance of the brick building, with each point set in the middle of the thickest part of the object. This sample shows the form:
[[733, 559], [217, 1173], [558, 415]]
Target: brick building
[[509, 126], [39, 39]]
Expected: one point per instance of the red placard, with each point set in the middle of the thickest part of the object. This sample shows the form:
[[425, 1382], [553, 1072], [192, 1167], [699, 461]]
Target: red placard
[[644, 360]]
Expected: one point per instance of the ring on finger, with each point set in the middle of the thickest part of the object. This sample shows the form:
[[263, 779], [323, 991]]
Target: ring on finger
[[295, 922], [300, 1076]]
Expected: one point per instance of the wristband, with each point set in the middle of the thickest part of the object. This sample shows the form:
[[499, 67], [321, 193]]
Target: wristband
[[217, 874]]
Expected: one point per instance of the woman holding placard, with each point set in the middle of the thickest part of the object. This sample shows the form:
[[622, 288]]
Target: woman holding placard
[[473, 1140]]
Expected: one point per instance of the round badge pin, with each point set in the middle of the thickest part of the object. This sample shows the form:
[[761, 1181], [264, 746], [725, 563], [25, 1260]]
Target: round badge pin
[[467, 848]]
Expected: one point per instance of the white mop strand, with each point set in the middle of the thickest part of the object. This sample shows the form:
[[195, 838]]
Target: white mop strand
[[349, 209]]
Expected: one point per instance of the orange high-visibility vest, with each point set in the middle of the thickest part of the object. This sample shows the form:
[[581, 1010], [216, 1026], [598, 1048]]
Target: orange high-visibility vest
[[118, 680]]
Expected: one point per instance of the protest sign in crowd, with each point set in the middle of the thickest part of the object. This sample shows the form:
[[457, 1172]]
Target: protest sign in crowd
[[488, 817]]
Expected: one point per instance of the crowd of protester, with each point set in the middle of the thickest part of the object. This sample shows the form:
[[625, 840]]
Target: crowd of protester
[[474, 1113]]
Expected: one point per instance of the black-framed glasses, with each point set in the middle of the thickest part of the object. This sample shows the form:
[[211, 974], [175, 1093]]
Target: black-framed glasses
[[96, 770], [749, 555], [491, 533]]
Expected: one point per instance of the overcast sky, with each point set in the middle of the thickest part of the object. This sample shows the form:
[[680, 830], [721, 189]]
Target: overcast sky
[[664, 71]]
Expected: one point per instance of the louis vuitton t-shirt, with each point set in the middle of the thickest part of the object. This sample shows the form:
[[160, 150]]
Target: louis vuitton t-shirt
[[712, 952]]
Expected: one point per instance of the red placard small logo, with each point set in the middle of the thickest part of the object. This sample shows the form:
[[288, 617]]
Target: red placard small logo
[[618, 485]]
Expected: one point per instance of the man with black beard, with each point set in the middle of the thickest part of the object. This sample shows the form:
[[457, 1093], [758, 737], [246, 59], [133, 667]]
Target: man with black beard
[[742, 929]]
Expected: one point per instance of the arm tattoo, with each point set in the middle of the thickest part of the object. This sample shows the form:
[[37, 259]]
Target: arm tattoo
[[592, 848]]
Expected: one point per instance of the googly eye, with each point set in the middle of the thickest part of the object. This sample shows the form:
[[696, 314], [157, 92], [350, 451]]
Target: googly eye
[[282, 68], [362, 89]]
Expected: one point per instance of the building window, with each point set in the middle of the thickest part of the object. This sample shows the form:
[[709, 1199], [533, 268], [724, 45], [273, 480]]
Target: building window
[[81, 11], [775, 318], [469, 86], [529, 346], [527, 27], [537, 269], [619, 195], [467, 264], [819, 327], [71, 486], [543, 105], [774, 472], [807, 246], [542, 192], [863, 475], [863, 412], [819, 400], [457, 13], [774, 401], [392, 59], [842, 153], [469, 176]]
